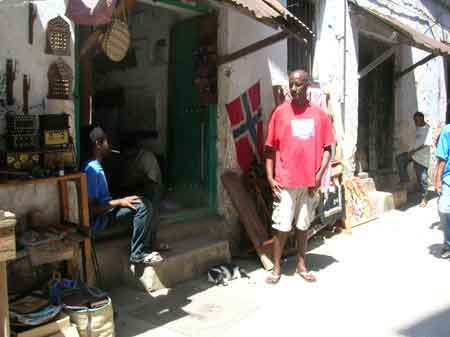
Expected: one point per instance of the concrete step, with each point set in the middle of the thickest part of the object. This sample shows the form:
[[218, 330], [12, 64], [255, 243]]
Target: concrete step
[[368, 184], [178, 231], [382, 201], [187, 259], [173, 231]]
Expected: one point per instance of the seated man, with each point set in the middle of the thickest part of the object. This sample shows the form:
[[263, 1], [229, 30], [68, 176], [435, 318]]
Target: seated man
[[420, 155], [105, 211]]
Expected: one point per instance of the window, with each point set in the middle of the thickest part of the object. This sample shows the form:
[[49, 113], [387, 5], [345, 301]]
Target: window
[[300, 55]]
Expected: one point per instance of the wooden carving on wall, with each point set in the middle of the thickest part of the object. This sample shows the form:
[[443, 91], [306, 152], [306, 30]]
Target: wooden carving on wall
[[58, 37], [60, 80]]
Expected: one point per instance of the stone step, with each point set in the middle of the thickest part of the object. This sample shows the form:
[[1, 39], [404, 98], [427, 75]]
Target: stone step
[[382, 201], [368, 184], [188, 259], [178, 231], [173, 231]]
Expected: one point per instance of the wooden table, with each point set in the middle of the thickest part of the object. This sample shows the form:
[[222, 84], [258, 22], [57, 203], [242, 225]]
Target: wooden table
[[83, 208]]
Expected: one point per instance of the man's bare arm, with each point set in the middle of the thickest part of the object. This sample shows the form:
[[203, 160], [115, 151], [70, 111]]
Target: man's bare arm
[[270, 160], [97, 209], [325, 161], [438, 174]]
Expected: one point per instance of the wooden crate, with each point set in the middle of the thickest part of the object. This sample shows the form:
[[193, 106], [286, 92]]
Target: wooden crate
[[7, 240]]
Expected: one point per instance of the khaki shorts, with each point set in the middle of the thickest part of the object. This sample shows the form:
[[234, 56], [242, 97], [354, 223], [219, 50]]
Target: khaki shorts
[[294, 206]]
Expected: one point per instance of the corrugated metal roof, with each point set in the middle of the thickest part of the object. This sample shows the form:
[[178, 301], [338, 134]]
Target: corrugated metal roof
[[408, 35], [270, 12]]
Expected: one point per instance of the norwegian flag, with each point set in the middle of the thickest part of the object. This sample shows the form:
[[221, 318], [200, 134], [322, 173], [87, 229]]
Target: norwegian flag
[[246, 124]]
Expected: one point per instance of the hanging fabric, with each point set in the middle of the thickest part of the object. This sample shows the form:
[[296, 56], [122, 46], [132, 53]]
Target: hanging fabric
[[91, 12]]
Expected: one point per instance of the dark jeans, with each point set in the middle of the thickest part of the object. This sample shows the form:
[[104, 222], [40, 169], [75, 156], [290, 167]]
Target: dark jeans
[[403, 160], [144, 226]]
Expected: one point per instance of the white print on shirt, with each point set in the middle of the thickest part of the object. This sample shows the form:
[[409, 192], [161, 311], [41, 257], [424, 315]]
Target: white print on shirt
[[302, 128]]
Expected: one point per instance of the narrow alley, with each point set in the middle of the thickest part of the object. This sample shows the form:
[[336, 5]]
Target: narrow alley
[[382, 280]]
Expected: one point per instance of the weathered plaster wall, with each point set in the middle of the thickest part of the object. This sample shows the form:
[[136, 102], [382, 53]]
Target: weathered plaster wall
[[235, 32], [31, 60], [424, 89], [329, 72]]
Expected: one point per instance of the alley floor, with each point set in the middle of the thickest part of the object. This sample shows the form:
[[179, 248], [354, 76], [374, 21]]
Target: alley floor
[[383, 280]]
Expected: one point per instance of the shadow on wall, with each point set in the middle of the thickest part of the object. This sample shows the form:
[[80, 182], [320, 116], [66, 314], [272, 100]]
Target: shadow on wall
[[435, 325]]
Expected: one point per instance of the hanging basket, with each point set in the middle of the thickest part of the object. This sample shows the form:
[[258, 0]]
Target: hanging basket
[[116, 40]]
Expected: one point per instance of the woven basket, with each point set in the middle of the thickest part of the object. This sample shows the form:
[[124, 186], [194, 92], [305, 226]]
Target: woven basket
[[93, 322], [116, 41]]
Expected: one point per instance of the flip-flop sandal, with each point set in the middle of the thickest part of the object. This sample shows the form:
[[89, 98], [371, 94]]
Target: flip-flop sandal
[[307, 276], [273, 279], [152, 259]]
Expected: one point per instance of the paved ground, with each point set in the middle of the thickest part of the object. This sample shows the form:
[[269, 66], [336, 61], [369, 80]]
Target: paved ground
[[382, 280]]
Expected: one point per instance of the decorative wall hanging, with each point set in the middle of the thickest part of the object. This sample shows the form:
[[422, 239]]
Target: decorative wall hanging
[[58, 37], [60, 79], [32, 14], [10, 78]]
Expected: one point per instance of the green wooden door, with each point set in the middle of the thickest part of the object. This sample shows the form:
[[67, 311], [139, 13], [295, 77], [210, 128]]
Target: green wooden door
[[187, 122]]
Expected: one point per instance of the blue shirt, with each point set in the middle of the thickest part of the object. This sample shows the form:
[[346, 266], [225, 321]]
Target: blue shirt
[[443, 152], [98, 191]]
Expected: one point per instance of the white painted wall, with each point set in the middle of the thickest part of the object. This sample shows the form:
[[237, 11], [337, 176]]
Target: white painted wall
[[31, 60], [235, 32]]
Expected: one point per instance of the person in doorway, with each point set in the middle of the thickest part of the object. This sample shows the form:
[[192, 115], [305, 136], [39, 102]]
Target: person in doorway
[[298, 151], [442, 186], [106, 211], [420, 155]]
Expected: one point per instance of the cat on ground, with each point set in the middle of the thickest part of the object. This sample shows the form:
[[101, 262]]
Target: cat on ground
[[224, 273]]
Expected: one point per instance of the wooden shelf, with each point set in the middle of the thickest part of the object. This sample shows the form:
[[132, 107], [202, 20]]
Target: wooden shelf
[[19, 182]]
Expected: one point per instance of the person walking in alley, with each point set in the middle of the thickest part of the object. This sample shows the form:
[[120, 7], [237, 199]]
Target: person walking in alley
[[442, 185], [420, 155], [132, 209], [298, 151]]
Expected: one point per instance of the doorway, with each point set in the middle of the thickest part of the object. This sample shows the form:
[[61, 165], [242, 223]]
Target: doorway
[[375, 153], [159, 99]]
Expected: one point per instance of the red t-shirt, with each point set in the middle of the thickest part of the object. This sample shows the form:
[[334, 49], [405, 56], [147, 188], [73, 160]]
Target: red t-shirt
[[298, 135]]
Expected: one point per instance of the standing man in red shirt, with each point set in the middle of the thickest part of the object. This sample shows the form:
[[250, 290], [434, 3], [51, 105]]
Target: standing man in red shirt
[[298, 150]]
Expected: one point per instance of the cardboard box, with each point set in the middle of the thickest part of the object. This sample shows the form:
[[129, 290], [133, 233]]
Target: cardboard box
[[52, 328]]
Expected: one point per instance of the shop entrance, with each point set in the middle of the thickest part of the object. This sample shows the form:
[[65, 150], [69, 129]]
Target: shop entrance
[[161, 99], [376, 111]]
